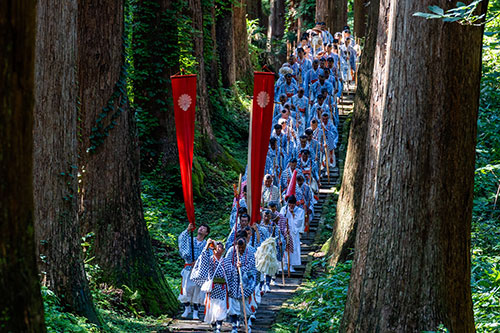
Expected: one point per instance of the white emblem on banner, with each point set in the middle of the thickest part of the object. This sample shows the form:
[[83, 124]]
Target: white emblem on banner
[[184, 102], [263, 99]]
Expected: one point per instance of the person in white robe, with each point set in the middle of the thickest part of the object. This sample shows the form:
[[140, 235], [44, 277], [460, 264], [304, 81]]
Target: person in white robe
[[295, 224]]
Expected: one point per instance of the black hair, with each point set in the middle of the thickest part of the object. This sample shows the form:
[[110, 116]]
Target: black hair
[[277, 126], [314, 121], [309, 131], [241, 241], [245, 215], [315, 61], [242, 210], [245, 189], [273, 140], [206, 226], [300, 49], [293, 160], [242, 234], [300, 177], [303, 136], [292, 199], [272, 204]]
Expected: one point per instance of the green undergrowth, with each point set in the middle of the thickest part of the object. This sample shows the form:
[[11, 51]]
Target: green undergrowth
[[318, 304]]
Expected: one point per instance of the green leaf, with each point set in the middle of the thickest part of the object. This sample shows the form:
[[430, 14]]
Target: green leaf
[[437, 10]]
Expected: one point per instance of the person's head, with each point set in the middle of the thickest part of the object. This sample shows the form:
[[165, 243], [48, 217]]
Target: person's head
[[315, 64], [268, 180], [300, 180], [273, 206], [303, 140], [203, 230], [329, 48], [347, 41], [303, 41], [320, 98], [305, 155], [242, 210], [324, 92], [293, 163], [330, 62], [218, 250], [241, 244], [248, 231], [245, 190], [322, 62], [282, 98], [300, 53], [321, 76], [266, 216], [277, 129], [288, 78], [324, 117], [300, 92], [291, 59], [244, 220], [347, 34], [273, 142], [292, 201], [285, 112], [309, 134], [314, 124]]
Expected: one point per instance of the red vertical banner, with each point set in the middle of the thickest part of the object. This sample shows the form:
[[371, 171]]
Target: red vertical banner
[[261, 120], [184, 98]]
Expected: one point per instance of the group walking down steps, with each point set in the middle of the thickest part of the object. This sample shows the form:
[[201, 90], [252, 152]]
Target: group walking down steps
[[239, 284]]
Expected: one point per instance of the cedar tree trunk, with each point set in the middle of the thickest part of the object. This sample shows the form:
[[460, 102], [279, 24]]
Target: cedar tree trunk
[[21, 305], [349, 202], [411, 270], [204, 125], [110, 202], [225, 43], [360, 17], [333, 13], [243, 65], [156, 57], [57, 230]]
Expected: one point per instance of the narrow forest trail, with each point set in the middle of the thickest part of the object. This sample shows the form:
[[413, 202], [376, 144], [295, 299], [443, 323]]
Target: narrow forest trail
[[273, 301]]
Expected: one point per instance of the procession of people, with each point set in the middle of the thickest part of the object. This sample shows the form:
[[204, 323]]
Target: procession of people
[[230, 278]]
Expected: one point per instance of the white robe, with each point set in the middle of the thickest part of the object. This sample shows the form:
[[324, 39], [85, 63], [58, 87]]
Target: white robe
[[296, 226]]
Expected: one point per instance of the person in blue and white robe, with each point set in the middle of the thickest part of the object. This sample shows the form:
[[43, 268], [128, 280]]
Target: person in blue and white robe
[[308, 168], [331, 136], [216, 271], [305, 197], [246, 265], [190, 249], [311, 77], [299, 104], [288, 88]]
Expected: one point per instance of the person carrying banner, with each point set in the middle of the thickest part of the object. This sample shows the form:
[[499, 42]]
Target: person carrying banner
[[190, 250]]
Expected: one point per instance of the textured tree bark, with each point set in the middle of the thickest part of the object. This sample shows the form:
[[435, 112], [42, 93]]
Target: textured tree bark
[[208, 141], [411, 270], [110, 203], [156, 58], [360, 17], [254, 11], [57, 230], [276, 27], [243, 65], [225, 43], [349, 202], [21, 305], [333, 13]]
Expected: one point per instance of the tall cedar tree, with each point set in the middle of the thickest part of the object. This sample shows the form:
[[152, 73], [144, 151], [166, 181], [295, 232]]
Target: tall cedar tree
[[243, 65], [155, 56], [208, 142], [333, 13], [349, 202], [57, 230], [254, 11], [21, 305], [411, 270], [276, 31], [110, 202], [225, 42], [361, 8]]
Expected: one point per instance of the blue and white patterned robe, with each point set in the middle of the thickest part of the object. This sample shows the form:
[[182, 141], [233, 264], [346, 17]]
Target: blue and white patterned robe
[[331, 134], [248, 272], [185, 247]]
